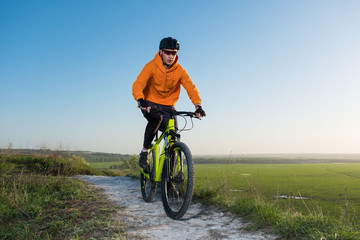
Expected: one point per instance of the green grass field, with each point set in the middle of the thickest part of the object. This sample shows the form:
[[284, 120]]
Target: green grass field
[[328, 186]]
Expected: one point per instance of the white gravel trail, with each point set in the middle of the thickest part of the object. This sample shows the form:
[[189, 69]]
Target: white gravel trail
[[148, 220]]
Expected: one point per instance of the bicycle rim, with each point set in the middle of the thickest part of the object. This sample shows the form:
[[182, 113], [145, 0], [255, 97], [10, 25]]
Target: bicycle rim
[[177, 192], [147, 181]]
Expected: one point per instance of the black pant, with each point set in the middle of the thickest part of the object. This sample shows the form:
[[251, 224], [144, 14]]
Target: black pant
[[155, 122]]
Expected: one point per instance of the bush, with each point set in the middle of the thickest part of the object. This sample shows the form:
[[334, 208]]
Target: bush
[[49, 165]]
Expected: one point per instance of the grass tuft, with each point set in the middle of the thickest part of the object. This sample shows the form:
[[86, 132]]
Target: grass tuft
[[39, 201]]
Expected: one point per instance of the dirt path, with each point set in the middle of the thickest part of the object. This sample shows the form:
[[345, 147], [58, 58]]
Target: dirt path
[[149, 221]]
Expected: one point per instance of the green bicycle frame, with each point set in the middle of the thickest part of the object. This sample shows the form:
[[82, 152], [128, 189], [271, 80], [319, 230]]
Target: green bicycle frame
[[160, 159]]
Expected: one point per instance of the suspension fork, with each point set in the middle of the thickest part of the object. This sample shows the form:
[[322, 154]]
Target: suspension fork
[[170, 137], [172, 160], [167, 161]]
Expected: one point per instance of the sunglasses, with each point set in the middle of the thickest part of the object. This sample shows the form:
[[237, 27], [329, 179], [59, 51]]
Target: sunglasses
[[170, 52]]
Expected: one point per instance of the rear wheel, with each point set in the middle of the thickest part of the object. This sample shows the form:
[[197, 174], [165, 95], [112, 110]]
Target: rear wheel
[[147, 180], [178, 191]]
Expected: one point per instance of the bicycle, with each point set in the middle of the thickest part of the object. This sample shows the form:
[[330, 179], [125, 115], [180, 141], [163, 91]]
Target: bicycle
[[173, 168]]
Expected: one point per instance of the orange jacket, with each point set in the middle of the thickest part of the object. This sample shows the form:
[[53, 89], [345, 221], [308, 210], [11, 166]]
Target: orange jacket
[[158, 85]]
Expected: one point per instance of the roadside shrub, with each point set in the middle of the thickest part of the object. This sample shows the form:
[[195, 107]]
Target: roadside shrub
[[48, 165], [130, 166]]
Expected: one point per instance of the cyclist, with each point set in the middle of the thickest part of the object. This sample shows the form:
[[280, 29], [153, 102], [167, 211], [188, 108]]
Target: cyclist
[[158, 86]]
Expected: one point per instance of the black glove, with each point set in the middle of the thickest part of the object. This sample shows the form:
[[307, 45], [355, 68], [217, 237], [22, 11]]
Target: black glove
[[200, 111], [142, 103]]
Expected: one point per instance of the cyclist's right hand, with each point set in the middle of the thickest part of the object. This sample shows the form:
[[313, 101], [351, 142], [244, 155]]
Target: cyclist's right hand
[[143, 105]]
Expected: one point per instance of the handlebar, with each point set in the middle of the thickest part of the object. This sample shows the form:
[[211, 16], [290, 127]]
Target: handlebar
[[172, 112]]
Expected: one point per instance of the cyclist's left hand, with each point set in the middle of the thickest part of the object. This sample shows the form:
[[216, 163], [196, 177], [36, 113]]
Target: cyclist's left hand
[[199, 113]]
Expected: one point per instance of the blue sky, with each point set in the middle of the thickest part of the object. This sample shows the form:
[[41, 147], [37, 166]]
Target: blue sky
[[274, 76]]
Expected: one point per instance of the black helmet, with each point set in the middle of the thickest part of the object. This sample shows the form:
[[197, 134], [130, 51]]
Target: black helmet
[[169, 43]]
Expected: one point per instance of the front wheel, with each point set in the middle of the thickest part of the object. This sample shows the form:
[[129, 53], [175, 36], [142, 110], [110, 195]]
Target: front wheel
[[147, 180], [177, 192]]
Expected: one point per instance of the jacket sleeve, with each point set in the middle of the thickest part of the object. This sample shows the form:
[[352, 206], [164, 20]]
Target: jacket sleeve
[[141, 83], [190, 88]]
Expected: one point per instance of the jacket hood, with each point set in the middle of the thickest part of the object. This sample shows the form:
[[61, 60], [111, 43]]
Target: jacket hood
[[160, 64]]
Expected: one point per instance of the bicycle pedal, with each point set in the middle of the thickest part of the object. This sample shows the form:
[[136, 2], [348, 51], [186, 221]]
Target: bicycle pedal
[[146, 170]]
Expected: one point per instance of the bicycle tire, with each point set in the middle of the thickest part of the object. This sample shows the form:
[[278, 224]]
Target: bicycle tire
[[177, 192], [148, 186]]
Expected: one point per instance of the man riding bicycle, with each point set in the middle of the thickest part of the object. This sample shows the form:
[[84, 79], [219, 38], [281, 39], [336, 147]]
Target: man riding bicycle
[[158, 86]]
